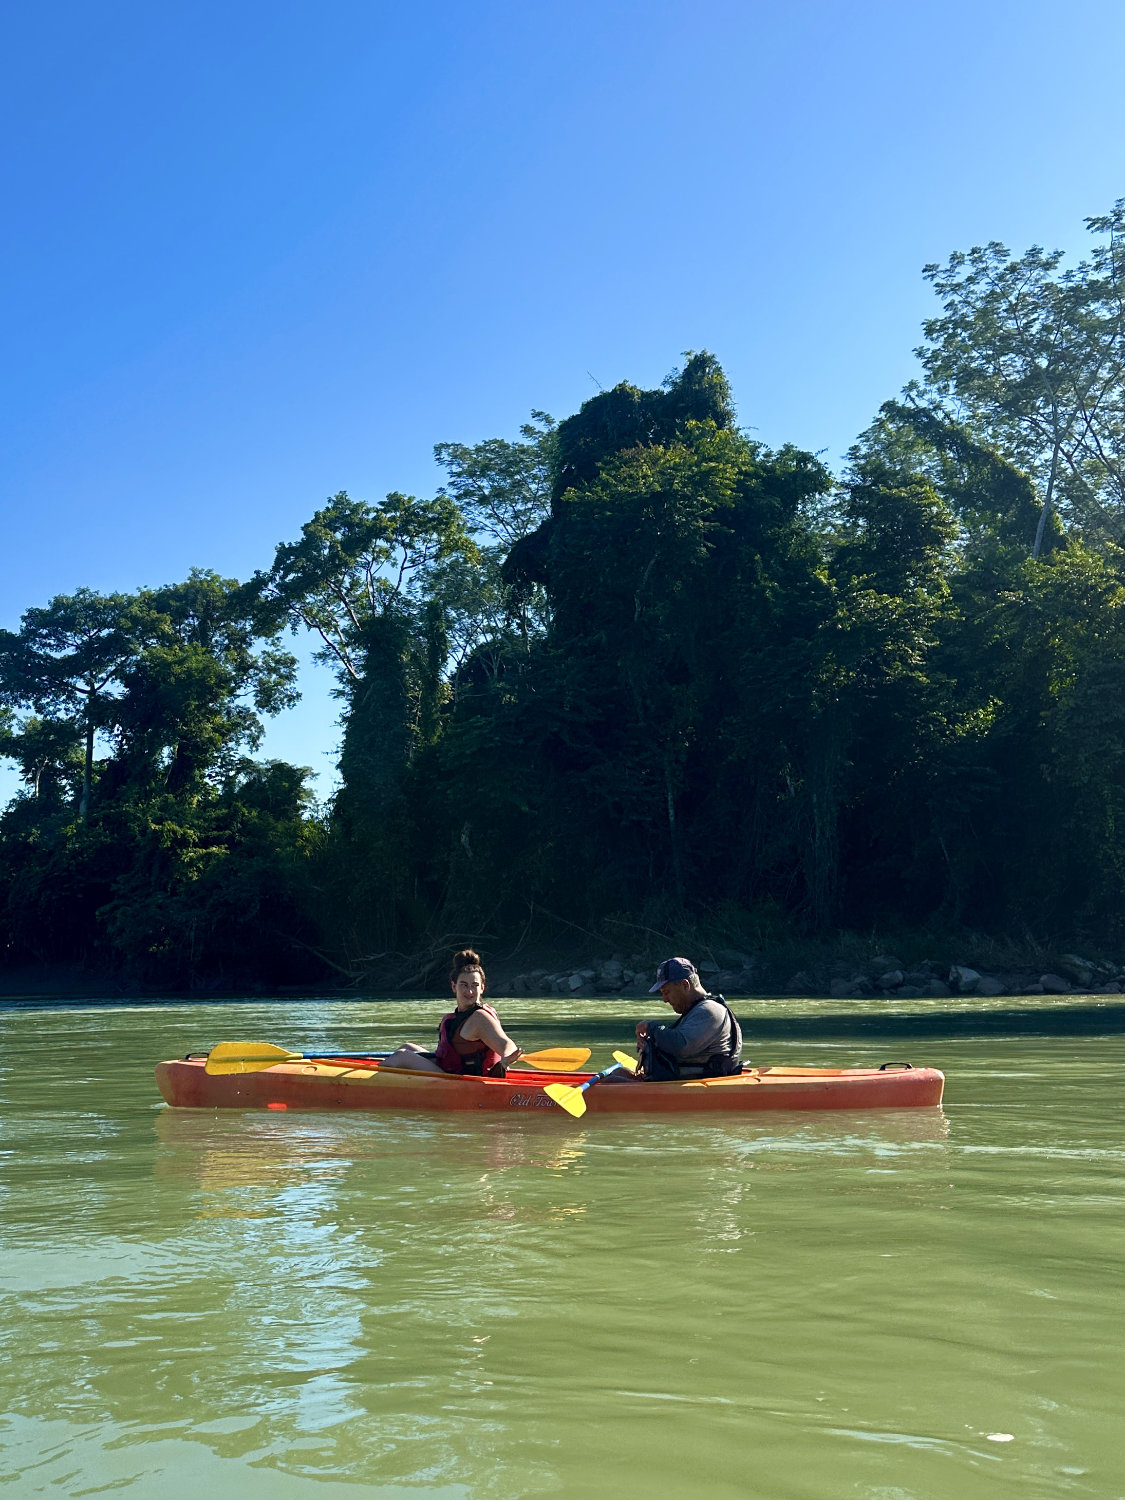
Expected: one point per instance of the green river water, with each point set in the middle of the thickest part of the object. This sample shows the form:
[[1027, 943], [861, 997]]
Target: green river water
[[899, 1305]]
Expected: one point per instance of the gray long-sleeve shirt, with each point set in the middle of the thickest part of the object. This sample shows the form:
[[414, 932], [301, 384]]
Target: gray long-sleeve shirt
[[698, 1034]]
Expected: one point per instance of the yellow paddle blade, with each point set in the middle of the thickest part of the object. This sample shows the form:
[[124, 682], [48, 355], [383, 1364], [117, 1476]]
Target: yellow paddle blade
[[245, 1065], [245, 1057], [573, 1100], [627, 1062], [236, 1065], [557, 1059], [248, 1052]]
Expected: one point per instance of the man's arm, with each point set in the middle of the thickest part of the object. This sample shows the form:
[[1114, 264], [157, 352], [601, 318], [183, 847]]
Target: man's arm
[[698, 1033]]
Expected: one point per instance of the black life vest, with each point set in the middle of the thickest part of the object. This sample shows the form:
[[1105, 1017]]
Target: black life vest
[[658, 1066]]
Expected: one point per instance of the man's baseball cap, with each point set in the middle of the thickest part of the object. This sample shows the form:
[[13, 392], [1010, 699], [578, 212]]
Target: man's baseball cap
[[671, 971]]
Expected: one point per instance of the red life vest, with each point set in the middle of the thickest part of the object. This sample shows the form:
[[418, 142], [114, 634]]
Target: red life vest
[[456, 1055]]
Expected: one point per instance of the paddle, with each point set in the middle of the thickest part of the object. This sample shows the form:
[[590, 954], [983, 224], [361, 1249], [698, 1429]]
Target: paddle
[[253, 1057], [569, 1097], [628, 1063], [557, 1059]]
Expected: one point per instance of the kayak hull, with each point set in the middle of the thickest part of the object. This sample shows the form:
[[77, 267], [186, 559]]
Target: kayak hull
[[363, 1084]]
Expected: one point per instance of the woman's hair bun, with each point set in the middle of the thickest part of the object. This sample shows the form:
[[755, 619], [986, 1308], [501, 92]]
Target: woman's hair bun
[[468, 958]]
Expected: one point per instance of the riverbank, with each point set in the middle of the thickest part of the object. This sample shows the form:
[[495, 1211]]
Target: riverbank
[[835, 975], [846, 968]]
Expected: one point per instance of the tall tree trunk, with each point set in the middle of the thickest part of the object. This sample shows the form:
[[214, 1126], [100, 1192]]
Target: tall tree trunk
[[88, 763], [1048, 501]]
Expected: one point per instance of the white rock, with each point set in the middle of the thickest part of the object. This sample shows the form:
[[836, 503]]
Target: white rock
[[966, 980]]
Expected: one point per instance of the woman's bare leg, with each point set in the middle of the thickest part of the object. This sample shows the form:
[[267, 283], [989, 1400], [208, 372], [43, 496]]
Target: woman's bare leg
[[410, 1055]]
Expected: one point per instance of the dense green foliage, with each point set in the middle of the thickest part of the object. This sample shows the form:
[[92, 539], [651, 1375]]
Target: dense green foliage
[[632, 665]]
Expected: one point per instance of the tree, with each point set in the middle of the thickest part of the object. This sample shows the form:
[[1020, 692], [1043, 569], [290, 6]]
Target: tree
[[613, 422], [503, 491], [68, 661], [501, 488], [174, 680], [356, 562], [1032, 359], [218, 887], [681, 582], [877, 700], [359, 579], [48, 753], [200, 679], [996, 503], [627, 417]]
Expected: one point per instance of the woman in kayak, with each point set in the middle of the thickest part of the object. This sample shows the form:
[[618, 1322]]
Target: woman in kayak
[[471, 1038]]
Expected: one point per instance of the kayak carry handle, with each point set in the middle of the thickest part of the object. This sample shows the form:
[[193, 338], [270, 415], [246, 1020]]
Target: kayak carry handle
[[885, 1067]]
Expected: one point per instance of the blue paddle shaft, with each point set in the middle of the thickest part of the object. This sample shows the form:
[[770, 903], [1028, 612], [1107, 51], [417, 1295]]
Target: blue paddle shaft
[[603, 1074], [344, 1052]]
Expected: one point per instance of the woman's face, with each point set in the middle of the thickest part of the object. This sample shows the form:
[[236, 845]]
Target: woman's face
[[468, 988]]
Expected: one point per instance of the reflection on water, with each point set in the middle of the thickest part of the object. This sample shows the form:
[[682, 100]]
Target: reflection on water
[[312, 1304], [242, 1158]]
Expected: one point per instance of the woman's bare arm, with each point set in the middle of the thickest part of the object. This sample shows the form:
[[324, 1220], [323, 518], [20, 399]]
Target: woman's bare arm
[[481, 1027]]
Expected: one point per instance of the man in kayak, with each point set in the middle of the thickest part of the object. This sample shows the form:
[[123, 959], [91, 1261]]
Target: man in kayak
[[704, 1041]]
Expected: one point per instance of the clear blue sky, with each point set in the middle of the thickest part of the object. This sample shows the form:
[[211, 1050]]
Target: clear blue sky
[[255, 253]]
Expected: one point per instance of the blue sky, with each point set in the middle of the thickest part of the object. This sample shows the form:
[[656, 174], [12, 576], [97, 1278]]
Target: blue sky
[[256, 253]]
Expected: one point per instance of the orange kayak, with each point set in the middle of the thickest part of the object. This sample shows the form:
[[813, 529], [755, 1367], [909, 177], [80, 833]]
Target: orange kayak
[[358, 1083]]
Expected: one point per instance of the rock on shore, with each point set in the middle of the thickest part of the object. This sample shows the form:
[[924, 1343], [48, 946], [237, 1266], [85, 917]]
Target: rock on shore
[[629, 975]]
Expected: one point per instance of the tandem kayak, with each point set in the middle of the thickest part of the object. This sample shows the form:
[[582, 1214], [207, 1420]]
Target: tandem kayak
[[362, 1083]]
